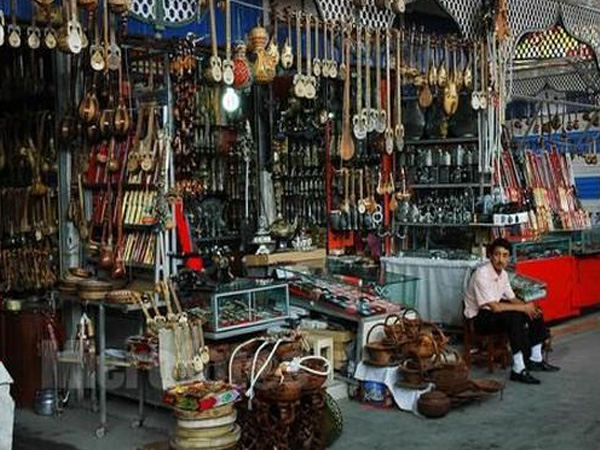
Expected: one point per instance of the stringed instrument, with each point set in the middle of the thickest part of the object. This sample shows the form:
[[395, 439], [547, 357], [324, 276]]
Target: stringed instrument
[[214, 72], [70, 38], [122, 118], [299, 81], [310, 87], [287, 55], [14, 30], [399, 128], [34, 34], [381, 119], [228, 67]]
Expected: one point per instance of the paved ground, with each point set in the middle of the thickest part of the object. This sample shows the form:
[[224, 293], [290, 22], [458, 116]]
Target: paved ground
[[562, 414]]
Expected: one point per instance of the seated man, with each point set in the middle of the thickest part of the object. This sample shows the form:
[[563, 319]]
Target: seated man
[[490, 300]]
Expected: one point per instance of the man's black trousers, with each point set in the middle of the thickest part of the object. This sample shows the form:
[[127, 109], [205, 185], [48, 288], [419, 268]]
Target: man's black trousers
[[523, 333]]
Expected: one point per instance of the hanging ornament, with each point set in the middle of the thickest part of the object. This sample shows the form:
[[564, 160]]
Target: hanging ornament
[[264, 71], [241, 68]]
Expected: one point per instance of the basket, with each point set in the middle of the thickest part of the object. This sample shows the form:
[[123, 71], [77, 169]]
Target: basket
[[451, 377], [379, 353], [412, 327], [413, 370], [394, 329]]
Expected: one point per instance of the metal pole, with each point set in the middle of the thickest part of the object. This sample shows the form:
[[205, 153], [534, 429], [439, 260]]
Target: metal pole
[[102, 369]]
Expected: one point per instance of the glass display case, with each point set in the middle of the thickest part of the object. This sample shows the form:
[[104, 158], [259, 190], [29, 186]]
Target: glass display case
[[586, 242], [351, 291], [241, 307], [546, 247], [527, 288]]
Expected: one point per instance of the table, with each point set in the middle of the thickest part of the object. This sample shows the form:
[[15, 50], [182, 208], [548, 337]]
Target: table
[[440, 294], [102, 365], [406, 399]]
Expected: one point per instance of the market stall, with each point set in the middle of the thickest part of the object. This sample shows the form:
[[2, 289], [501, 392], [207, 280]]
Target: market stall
[[245, 199]]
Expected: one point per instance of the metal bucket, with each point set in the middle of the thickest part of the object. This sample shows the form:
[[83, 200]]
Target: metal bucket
[[46, 401]]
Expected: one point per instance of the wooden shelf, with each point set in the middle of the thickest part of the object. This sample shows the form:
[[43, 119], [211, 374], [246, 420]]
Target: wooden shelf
[[447, 141], [449, 186]]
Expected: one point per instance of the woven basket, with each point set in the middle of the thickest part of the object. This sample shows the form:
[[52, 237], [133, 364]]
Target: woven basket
[[451, 377], [394, 329], [379, 352]]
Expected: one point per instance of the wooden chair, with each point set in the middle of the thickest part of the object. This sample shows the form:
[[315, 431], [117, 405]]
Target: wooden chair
[[492, 347]]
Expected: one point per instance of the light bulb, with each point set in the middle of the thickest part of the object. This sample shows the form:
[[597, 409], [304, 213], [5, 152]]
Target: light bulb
[[231, 100]]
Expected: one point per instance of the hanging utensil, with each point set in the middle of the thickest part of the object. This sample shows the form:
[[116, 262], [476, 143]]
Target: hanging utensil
[[346, 142], [381, 118], [370, 115], [399, 127], [359, 121]]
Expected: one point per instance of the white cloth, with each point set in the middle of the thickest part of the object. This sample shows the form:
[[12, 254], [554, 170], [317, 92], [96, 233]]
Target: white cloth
[[406, 399], [441, 285], [486, 286], [7, 410]]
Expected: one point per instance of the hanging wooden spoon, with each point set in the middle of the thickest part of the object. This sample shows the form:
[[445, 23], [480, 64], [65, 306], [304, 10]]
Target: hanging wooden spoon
[[399, 127], [346, 142]]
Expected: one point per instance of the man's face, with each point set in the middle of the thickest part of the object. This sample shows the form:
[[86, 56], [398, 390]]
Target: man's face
[[500, 258]]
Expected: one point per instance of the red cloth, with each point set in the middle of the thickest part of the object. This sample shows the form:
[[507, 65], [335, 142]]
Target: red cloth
[[185, 238]]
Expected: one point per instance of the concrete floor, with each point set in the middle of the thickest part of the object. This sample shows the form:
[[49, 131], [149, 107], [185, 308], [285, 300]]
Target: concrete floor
[[562, 413]]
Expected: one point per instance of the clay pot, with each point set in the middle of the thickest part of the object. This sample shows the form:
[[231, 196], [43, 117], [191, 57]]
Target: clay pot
[[433, 404]]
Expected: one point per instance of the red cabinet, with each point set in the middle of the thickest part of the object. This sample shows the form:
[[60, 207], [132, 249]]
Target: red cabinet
[[587, 287], [561, 276]]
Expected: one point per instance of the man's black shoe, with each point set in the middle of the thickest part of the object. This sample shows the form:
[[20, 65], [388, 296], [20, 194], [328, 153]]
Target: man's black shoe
[[542, 366], [523, 377]]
